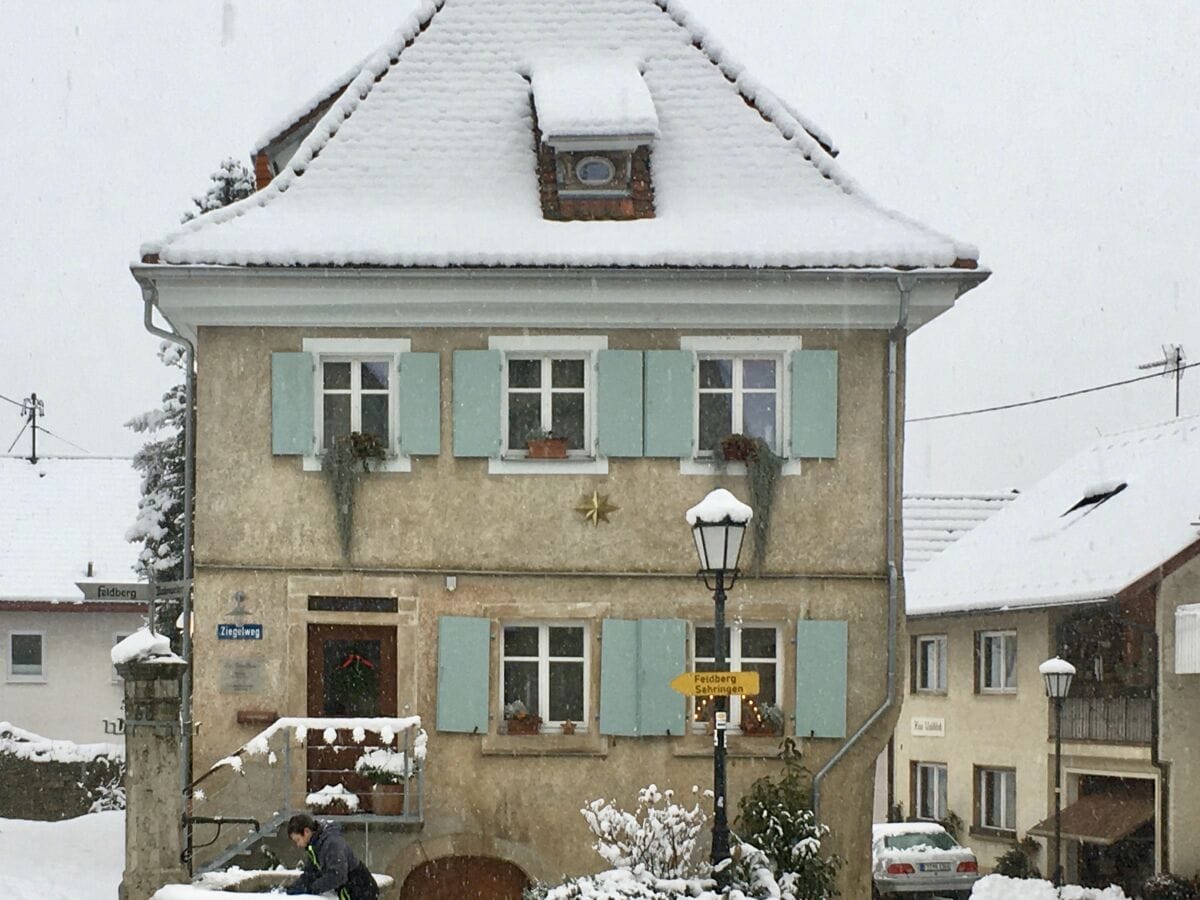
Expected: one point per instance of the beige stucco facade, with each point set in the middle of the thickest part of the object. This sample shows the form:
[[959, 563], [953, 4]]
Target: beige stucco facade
[[78, 689], [517, 549]]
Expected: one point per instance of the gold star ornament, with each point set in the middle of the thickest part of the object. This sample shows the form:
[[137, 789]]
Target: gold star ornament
[[596, 509]]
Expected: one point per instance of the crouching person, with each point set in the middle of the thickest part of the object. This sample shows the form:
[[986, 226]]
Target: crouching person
[[330, 865]]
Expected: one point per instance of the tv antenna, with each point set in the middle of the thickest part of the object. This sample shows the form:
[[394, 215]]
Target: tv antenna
[[1171, 363]]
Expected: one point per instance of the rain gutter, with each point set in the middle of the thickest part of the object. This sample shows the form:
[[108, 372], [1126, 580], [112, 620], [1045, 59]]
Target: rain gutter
[[150, 300], [905, 284]]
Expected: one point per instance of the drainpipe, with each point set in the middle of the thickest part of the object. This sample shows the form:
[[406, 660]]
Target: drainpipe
[[150, 300], [905, 284]]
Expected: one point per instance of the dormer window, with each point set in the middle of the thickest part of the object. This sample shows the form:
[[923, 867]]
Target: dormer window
[[595, 123]]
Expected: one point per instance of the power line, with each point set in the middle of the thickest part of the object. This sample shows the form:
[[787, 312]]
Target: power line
[[1099, 387], [12, 401], [45, 430]]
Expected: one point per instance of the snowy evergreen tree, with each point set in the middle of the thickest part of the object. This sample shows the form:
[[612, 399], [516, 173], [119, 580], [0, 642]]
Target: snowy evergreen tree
[[159, 524], [230, 183]]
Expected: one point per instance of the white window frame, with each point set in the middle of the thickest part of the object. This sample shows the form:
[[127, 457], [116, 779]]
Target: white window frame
[[118, 636], [355, 350], [514, 461], [543, 660], [734, 658], [922, 772], [1004, 814], [776, 347], [1004, 636], [938, 641], [21, 677]]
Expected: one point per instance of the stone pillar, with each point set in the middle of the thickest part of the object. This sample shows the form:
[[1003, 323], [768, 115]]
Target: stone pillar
[[153, 803]]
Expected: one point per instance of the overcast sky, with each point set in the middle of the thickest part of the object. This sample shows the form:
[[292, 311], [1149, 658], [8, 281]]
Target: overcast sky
[[1058, 137]]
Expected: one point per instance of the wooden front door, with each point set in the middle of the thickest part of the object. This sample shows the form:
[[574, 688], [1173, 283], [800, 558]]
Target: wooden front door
[[351, 674]]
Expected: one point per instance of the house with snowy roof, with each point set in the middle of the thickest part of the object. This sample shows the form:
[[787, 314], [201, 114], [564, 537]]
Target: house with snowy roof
[[529, 263], [1097, 563], [62, 523]]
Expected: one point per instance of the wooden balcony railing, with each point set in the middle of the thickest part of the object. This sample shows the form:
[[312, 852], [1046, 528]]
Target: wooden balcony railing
[[1111, 720]]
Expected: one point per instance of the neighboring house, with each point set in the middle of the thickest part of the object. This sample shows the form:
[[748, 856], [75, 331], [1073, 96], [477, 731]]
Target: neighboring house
[[935, 520], [63, 521], [1096, 563], [540, 215]]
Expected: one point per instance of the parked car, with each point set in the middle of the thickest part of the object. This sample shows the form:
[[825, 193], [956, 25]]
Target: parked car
[[910, 858]]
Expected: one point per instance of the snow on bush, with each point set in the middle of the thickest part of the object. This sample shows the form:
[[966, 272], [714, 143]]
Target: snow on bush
[[659, 838]]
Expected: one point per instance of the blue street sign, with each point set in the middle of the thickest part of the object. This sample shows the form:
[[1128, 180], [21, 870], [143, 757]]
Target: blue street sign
[[226, 632]]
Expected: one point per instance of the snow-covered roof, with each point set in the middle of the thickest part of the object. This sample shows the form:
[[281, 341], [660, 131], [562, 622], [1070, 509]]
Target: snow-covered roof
[[427, 159], [59, 515], [1108, 516], [934, 521], [592, 97]]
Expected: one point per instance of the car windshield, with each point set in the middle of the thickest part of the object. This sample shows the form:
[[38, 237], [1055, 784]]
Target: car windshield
[[939, 840]]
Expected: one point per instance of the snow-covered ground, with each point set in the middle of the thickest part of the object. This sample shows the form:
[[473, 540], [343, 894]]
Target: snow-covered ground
[[67, 860], [85, 857]]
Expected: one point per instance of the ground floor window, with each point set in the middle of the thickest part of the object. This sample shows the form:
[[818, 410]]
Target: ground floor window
[[929, 791], [996, 798], [749, 648], [545, 671]]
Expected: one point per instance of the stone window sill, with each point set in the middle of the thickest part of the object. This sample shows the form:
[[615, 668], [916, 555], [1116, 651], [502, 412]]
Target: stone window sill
[[545, 744]]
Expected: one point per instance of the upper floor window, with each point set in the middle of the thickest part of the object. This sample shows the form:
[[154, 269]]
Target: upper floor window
[[996, 798], [355, 397], [749, 648], [545, 667], [26, 656], [547, 396], [738, 395], [997, 656], [929, 663], [929, 791]]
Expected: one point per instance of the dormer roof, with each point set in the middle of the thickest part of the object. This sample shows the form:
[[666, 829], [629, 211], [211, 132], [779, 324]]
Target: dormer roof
[[426, 159], [593, 103]]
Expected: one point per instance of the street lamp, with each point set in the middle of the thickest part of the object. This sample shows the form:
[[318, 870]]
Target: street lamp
[[1057, 673], [718, 525]]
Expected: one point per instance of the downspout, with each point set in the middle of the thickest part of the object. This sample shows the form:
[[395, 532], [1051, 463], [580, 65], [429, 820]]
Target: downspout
[[905, 284], [150, 300]]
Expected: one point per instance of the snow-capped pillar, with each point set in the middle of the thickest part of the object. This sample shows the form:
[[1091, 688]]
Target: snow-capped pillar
[[154, 806]]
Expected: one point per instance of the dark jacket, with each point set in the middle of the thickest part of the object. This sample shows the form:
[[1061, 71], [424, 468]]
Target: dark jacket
[[330, 865]]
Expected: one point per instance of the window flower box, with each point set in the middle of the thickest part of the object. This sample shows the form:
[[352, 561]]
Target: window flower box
[[547, 448]]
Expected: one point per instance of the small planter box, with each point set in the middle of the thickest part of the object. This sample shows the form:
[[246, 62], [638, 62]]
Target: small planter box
[[387, 799], [524, 725], [547, 448]]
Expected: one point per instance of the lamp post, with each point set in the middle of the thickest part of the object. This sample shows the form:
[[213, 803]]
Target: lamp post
[[718, 525], [1057, 673]]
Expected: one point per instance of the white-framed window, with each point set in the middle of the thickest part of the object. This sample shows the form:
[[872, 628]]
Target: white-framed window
[[742, 387], [548, 387], [355, 390], [997, 652], [27, 656], [545, 666], [749, 648], [117, 638], [929, 791], [996, 798], [929, 663]]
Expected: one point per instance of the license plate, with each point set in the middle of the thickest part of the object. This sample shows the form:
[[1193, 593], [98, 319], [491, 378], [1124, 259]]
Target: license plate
[[934, 867]]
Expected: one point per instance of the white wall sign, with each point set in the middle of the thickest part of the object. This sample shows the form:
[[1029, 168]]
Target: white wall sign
[[242, 676], [925, 726]]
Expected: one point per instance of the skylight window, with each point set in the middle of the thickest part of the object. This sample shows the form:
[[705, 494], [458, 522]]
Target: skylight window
[[1096, 495]]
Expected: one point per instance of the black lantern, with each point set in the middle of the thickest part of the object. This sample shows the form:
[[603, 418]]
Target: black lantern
[[1057, 673]]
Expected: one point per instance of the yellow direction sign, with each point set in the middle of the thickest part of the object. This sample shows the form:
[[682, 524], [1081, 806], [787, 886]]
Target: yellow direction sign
[[715, 683]]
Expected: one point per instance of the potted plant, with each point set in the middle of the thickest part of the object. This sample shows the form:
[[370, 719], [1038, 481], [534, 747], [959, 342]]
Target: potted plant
[[568, 727], [546, 445], [519, 720], [763, 469], [387, 770], [766, 719]]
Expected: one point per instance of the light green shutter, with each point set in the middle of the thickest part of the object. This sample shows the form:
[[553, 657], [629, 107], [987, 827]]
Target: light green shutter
[[670, 402], [464, 660], [619, 677], [619, 402], [663, 655], [637, 662], [814, 403], [821, 648], [420, 397], [477, 402], [292, 404]]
